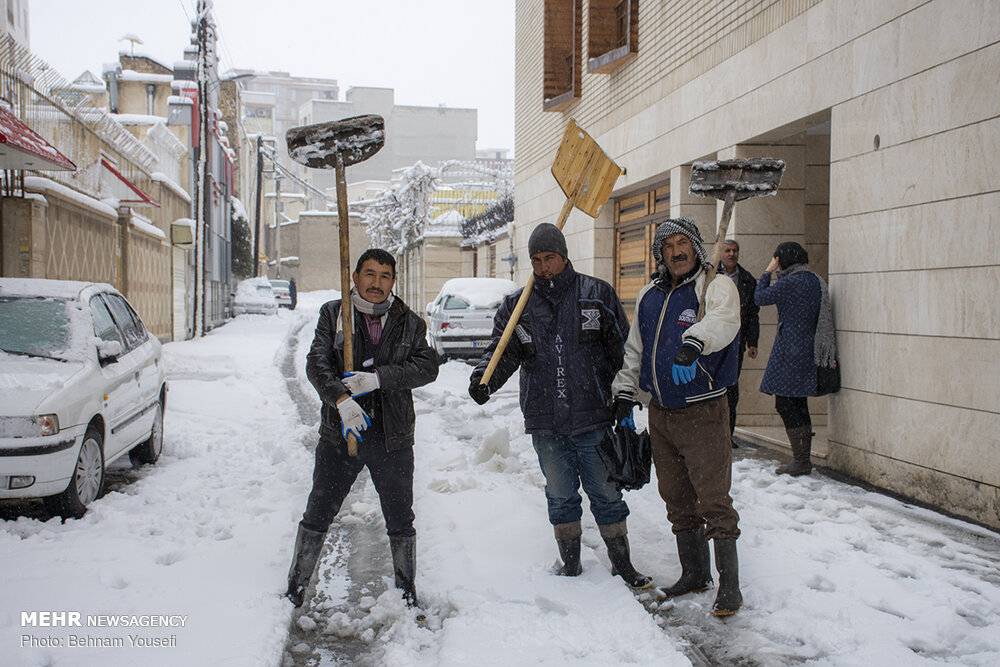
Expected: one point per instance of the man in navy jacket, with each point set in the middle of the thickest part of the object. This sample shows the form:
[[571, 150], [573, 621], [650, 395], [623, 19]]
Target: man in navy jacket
[[681, 366], [569, 345]]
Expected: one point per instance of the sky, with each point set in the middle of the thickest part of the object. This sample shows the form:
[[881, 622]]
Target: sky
[[456, 52]]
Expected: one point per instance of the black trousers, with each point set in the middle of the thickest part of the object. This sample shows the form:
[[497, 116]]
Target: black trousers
[[733, 393], [335, 472], [794, 411]]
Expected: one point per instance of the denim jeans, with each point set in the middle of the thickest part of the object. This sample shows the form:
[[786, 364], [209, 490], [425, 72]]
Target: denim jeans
[[566, 461]]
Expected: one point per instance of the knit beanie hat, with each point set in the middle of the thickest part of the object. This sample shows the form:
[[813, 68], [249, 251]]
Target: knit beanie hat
[[546, 237], [670, 226]]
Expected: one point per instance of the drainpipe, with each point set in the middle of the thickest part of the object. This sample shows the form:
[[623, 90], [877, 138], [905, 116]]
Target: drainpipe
[[111, 73]]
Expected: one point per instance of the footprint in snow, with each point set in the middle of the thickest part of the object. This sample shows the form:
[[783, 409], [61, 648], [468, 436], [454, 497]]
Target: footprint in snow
[[821, 584], [170, 557]]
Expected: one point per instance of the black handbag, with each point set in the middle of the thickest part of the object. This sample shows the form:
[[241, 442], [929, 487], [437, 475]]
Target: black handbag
[[828, 379], [628, 456]]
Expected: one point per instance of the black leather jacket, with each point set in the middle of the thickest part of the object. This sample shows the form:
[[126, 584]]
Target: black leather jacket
[[402, 359]]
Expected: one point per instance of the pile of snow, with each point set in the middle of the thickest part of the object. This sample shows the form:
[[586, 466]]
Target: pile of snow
[[479, 292]]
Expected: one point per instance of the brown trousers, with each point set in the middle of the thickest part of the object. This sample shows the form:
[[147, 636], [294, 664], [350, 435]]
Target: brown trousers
[[694, 466]]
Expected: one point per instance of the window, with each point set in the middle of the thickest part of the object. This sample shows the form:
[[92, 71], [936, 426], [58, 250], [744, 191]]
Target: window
[[612, 35], [135, 335], [563, 25], [456, 303], [104, 325]]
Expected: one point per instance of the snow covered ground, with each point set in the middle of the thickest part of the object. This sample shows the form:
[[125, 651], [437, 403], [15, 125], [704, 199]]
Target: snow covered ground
[[831, 574]]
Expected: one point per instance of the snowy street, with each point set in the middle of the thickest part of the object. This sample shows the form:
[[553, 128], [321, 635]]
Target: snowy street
[[831, 574]]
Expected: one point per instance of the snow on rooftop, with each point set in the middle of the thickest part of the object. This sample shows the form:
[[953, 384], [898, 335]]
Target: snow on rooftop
[[480, 292], [137, 118], [145, 77], [146, 225], [178, 99], [48, 186], [450, 217], [160, 177]]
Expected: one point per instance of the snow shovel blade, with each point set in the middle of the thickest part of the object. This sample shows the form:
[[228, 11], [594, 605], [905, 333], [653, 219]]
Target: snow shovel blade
[[755, 177], [584, 171], [355, 139]]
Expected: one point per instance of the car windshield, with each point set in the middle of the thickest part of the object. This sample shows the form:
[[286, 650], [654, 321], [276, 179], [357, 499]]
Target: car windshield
[[33, 326], [280, 284], [264, 290]]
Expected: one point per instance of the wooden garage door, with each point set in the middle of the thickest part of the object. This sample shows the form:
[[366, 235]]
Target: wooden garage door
[[635, 225]]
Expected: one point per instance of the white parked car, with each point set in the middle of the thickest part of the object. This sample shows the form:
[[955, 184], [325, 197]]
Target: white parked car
[[81, 384], [254, 296], [282, 293], [461, 317]]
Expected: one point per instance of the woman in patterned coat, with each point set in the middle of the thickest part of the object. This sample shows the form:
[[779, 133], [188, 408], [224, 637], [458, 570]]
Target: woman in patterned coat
[[791, 370]]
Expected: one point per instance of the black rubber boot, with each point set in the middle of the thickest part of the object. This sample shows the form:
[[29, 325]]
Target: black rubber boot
[[308, 545], [696, 564], [404, 566], [616, 538], [729, 599], [568, 539], [801, 440]]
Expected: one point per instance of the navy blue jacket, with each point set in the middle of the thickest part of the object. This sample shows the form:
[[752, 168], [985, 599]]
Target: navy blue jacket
[[791, 368], [577, 330], [666, 317]]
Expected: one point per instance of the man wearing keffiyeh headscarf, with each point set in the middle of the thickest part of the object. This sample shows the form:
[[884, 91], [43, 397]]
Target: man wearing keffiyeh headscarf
[[681, 366]]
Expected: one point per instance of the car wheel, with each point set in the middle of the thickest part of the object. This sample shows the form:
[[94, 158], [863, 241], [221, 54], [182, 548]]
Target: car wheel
[[149, 451], [87, 482]]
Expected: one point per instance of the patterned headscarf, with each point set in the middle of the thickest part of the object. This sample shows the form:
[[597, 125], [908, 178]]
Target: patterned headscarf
[[670, 226]]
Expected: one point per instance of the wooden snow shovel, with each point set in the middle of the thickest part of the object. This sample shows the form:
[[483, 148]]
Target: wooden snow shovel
[[732, 181], [337, 145], [586, 176]]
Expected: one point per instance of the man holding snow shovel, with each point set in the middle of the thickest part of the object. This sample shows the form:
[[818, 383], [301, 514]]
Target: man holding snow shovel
[[681, 367], [568, 345], [374, 405]]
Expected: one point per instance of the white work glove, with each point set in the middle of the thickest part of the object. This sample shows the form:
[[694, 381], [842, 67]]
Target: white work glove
[[352, 418], [360, 383]]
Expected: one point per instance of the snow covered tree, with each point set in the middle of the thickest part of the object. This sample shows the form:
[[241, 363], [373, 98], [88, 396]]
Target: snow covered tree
[[396, 219], [379, 217]]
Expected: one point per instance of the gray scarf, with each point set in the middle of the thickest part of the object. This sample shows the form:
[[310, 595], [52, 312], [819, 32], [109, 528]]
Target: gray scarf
[[369, 308], [825, 345]]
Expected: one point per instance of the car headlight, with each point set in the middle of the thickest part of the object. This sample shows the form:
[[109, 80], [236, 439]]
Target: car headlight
[[29, 427], [49, 424]]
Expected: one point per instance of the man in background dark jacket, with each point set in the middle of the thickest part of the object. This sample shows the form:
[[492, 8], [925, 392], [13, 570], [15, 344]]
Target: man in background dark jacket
[[568, 345], [746, 284], [375, 405]]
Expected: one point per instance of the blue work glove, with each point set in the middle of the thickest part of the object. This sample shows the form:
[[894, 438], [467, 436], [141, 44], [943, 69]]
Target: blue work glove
[[360, 383], [685, 362], [621, 410], [353, 419]]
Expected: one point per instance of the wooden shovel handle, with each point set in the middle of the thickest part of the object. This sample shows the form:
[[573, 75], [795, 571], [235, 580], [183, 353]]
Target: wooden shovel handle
[[346, 309], [515, 316], [727, 214]]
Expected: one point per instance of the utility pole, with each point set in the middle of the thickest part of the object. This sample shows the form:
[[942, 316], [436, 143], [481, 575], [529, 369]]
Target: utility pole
[[256, 214], [277, 222], [202, 208]]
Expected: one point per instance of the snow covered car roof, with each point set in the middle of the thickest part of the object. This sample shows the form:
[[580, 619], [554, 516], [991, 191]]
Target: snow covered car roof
[[480, 292], [52, 289]]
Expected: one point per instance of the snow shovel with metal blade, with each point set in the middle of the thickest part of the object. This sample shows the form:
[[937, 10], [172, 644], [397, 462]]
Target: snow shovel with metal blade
[[586, 176], [732, 181], [337, 145]]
